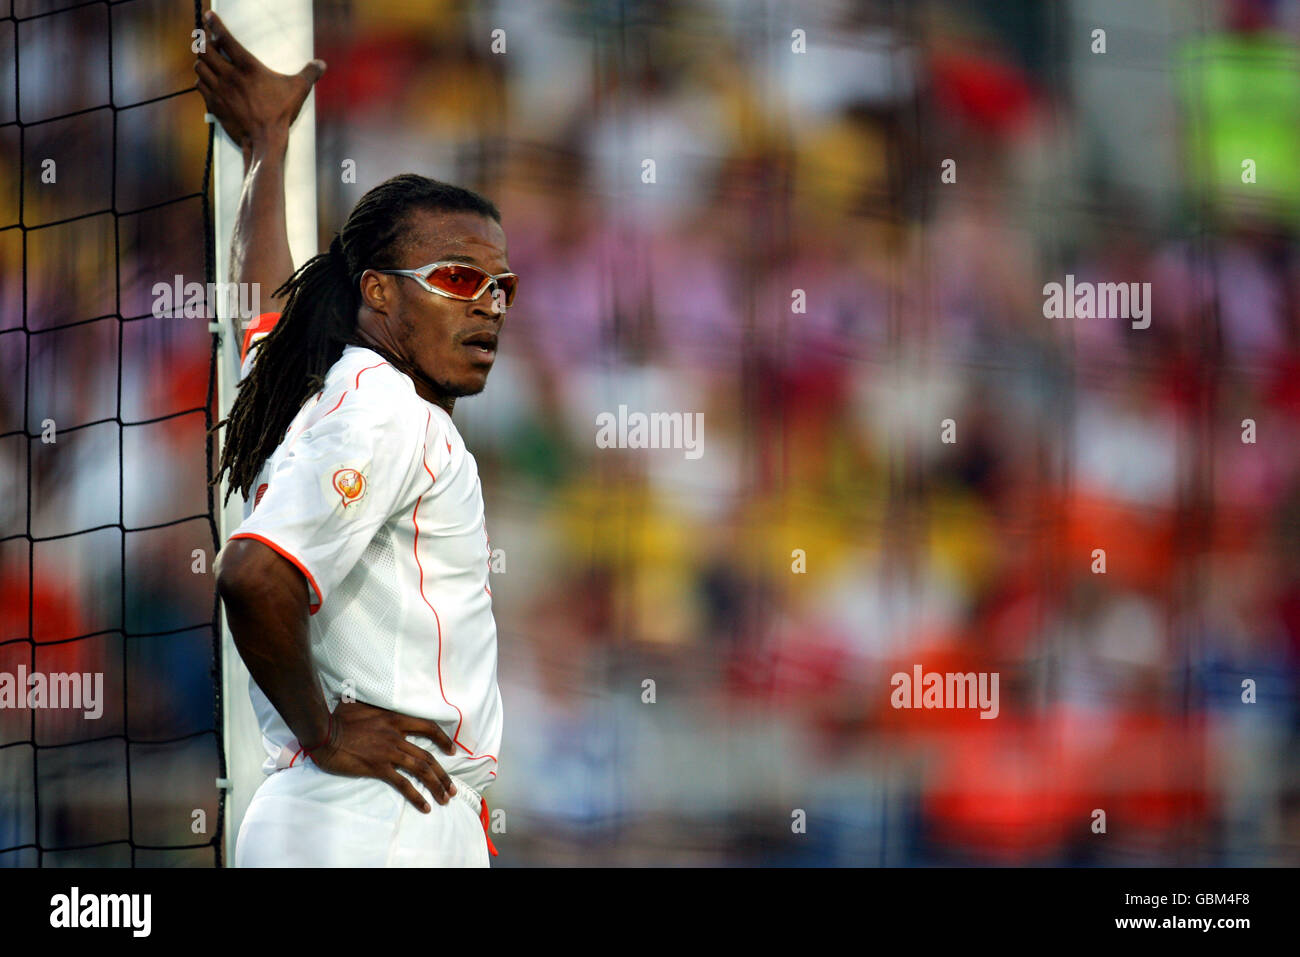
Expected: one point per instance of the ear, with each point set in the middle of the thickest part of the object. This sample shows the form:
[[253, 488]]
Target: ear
[[377, 291]]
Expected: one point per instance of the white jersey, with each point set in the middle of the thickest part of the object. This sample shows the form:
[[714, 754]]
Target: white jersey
[[374, 497]]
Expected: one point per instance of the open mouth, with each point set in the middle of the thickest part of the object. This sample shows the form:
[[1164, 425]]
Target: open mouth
[[483, 343]]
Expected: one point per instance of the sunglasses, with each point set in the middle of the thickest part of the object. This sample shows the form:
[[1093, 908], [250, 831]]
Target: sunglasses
[[456, 280]]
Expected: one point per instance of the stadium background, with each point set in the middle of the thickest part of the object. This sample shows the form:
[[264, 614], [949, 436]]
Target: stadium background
[[775, 171]]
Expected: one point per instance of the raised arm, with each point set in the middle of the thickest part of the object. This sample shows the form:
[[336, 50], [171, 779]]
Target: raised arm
[[255, 106]]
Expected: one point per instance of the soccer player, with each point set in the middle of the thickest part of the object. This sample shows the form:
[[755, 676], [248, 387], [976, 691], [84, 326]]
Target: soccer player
[[356, 590]]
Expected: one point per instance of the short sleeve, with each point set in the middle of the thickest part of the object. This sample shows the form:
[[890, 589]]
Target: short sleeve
[[340, 480], [257, 330]]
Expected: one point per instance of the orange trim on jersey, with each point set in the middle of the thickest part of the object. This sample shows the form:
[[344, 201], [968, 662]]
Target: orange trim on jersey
[[337, 404], [357, 384], [437, 620], [312, 608], [262, 324], [455, 738], [483, 816]]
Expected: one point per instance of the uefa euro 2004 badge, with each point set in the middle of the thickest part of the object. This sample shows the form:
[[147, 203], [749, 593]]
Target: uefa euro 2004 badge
[[347, 486]]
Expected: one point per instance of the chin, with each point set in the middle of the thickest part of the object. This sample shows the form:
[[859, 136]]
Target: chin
[[465, 387]]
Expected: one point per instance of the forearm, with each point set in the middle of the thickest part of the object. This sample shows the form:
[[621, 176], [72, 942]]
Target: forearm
[[260, 242], [269, 625]]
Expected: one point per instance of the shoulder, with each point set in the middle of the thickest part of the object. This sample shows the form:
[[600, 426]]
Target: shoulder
[[364, 394], [373, 403], [364, 372], [363, 378]]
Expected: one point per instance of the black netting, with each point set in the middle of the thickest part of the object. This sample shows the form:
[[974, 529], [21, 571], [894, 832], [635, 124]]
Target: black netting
[[107, 534]]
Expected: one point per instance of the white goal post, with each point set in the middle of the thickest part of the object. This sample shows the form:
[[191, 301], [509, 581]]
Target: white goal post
[[279, 34]]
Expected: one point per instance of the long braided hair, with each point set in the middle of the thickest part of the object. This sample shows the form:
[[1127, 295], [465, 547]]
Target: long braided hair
[[320, 318]]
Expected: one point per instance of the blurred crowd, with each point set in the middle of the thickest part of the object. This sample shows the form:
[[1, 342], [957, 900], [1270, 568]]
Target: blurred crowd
[[905, 460]]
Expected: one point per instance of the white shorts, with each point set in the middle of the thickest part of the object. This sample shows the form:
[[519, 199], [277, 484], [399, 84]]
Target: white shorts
[[305, 817]]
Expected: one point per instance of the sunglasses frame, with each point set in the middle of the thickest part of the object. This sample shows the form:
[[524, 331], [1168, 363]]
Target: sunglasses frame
[[489, 282]]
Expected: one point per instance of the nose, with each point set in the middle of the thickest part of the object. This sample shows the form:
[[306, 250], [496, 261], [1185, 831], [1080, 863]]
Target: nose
[[491, 302]]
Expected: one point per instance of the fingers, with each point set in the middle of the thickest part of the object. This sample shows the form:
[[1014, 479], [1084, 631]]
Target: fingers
[[377, 747], [207, 76], [407, 789], [430, 729], [215, 61], [418, 762], [312, 71], [217, 109], [210, 100], [227, 44]]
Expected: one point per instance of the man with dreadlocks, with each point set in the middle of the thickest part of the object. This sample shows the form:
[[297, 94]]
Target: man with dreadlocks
[[356, 589]]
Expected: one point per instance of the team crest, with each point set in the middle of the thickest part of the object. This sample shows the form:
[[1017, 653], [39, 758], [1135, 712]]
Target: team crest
[[349, 485]]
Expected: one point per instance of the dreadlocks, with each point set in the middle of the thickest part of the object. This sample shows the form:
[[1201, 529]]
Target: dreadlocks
[[320, 318]]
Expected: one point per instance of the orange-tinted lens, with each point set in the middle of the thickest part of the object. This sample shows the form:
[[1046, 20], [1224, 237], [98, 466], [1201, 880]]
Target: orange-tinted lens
[[464, 280], [458, 279], [508, 285]]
